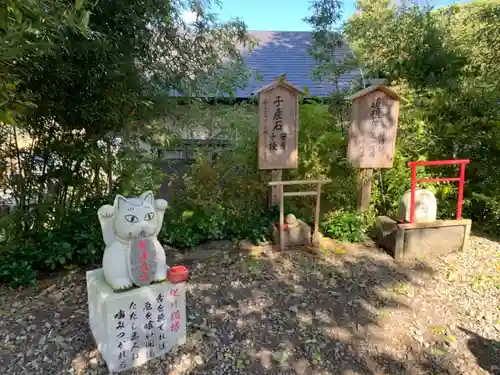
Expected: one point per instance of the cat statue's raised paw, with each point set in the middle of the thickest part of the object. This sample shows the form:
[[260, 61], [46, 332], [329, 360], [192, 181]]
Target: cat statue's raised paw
[[133, 255]]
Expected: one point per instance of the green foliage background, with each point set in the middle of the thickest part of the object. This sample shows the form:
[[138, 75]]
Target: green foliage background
[[76, 111]]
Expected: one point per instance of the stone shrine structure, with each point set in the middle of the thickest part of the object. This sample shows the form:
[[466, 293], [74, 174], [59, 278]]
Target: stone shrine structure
[[425, 206], [416, 233], [135, 314]]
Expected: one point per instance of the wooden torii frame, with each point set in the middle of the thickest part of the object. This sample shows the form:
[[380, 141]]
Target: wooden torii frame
[[282, 195]]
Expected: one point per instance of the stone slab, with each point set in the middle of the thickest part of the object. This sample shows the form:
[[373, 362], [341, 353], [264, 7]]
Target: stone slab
[[422, 240], [386, 232], [432, 242], [132, 327]]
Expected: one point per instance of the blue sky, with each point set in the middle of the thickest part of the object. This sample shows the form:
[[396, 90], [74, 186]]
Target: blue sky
[[282, 15]]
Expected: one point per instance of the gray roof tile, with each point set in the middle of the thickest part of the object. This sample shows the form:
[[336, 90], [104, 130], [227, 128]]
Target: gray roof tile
[[281, 52]]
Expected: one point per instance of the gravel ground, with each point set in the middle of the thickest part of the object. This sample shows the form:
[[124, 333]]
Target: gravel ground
[[352, 311]]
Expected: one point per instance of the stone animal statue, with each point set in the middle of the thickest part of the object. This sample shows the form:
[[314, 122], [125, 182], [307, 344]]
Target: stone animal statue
[[425, 206], [296, 233], [133, 255]]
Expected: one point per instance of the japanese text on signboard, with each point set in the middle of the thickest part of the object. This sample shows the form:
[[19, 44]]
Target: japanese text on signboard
[[278, 136], [277, 139], [372, 132]]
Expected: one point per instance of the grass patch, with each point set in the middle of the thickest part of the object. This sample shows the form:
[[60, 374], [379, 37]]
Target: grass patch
[[481, 282], [438, 330], [403, 288], [255, 266]]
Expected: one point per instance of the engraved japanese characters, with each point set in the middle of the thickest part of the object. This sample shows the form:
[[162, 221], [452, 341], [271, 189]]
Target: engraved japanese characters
[[278, 125], [133, 255], [373, 128], [425, 206], [132, 327], [147, 328]]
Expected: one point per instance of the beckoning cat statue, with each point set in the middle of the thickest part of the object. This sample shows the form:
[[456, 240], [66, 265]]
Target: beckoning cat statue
[[133, 255]]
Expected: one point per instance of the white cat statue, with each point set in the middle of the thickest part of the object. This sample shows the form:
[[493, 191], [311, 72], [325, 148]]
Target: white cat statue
[[133, 255]]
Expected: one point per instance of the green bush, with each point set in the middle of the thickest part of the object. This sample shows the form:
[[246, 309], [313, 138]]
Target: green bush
[[16, 272], [187, 229], [222, 200], [485, 210], [228, 198], [345, 226], [78, 240], [322, 155]]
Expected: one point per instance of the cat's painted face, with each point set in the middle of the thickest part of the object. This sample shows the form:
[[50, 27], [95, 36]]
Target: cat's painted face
[[135, 216]]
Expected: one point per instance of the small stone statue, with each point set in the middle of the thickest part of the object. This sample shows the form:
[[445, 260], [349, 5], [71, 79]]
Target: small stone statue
[[133, 255], [425, 206], [297, 232]]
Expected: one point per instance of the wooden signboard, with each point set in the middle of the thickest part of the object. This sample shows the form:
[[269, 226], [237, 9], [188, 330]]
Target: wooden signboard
[[278, 125], [374, 122], [372, 135]]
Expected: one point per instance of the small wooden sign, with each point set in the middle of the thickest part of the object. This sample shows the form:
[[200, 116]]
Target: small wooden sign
[[373, 129], [279, 125]]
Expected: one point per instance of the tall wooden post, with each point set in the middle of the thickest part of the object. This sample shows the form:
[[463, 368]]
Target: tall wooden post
[[364, 189], [276, 175], [282, 216], [372, 135], [318, 207]]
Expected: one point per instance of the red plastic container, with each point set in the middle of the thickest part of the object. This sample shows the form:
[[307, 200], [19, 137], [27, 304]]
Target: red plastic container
[[177, 274]]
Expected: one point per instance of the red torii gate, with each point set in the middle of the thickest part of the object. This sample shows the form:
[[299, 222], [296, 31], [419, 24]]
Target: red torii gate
[[461, 181]]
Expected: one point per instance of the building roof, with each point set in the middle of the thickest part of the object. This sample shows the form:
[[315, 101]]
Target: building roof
[[286, 52]]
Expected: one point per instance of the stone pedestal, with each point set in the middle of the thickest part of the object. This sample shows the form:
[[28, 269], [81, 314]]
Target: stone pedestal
[[133, 327], [422, 240]]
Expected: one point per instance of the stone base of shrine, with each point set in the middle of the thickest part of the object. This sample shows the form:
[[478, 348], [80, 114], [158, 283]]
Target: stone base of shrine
[[132, 327], [422, 240]]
